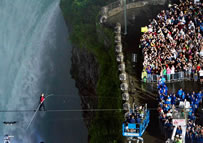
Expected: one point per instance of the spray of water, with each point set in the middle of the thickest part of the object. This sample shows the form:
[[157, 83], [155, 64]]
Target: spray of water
[[24, 30]]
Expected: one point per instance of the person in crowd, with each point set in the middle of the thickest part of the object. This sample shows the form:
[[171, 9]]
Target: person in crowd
[[199, 97], [192, 117], [126, 127], [164, 72], [179, 130], [195, 75], [178, 139], [144, 75], [180, 93], [183, 97], [173, 99], [201, 75], [162, 80], [172, 72], [168, 70], [149, 73], [132, 119]]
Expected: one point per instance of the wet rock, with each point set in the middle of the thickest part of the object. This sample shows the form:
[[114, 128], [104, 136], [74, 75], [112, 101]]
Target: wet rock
[[85, 72]]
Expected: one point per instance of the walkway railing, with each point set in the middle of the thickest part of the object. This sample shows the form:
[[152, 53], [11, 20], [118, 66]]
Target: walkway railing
[[118, 6], [178, 76]]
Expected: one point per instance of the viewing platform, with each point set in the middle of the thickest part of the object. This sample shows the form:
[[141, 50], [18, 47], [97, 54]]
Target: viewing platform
[[116, 7], [136, 129]]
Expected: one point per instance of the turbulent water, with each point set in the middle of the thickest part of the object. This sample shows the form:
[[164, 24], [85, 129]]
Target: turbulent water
[[34, 58]]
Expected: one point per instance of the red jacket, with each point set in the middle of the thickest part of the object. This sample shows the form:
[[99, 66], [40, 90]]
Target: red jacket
[[198, 68], [42, 99]]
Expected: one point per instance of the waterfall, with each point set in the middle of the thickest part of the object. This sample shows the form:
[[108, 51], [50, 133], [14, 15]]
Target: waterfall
[[28, 41]]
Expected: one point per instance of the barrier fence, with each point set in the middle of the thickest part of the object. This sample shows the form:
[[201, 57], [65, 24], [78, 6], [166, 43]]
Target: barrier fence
[[119, 3], [113, 5], [118, 6], [178, 76]]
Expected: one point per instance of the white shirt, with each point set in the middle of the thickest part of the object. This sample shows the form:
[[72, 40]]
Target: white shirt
[[169, 114], [196, 1], [201, 53], [173, 70], [201, 73]]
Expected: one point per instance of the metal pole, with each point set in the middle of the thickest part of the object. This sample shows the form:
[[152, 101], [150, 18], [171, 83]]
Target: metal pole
[[33, 116], [133, 107], [125, 16], [37, 111]]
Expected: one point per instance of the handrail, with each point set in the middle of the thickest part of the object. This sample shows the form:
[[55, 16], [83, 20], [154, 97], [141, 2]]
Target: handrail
[[178, 76], [117, 6]]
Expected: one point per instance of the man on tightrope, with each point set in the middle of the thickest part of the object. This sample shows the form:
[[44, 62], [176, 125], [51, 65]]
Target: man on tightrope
[[42, 98], [7, 138]]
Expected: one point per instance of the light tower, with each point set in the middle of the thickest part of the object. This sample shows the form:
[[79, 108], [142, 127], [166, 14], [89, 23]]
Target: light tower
[[125, 16]]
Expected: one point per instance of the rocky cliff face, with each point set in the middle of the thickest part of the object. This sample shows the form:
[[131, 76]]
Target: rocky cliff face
[[85, 72]]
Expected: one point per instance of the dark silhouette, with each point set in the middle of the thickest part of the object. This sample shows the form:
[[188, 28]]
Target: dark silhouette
[[42, 98]]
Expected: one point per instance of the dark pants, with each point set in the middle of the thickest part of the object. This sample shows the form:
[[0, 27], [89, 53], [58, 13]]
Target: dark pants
[[42, 106]]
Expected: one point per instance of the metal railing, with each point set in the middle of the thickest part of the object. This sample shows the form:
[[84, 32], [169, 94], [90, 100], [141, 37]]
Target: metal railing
[[118, 6], [119, 3], [113, 5], [178, 76], [138, 128]]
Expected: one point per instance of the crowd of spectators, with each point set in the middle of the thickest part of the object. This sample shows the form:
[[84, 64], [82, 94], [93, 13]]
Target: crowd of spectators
[[174, 41], [168, 104], [194, 132]]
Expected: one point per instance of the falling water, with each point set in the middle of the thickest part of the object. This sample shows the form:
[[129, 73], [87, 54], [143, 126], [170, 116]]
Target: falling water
[[35, 58]]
